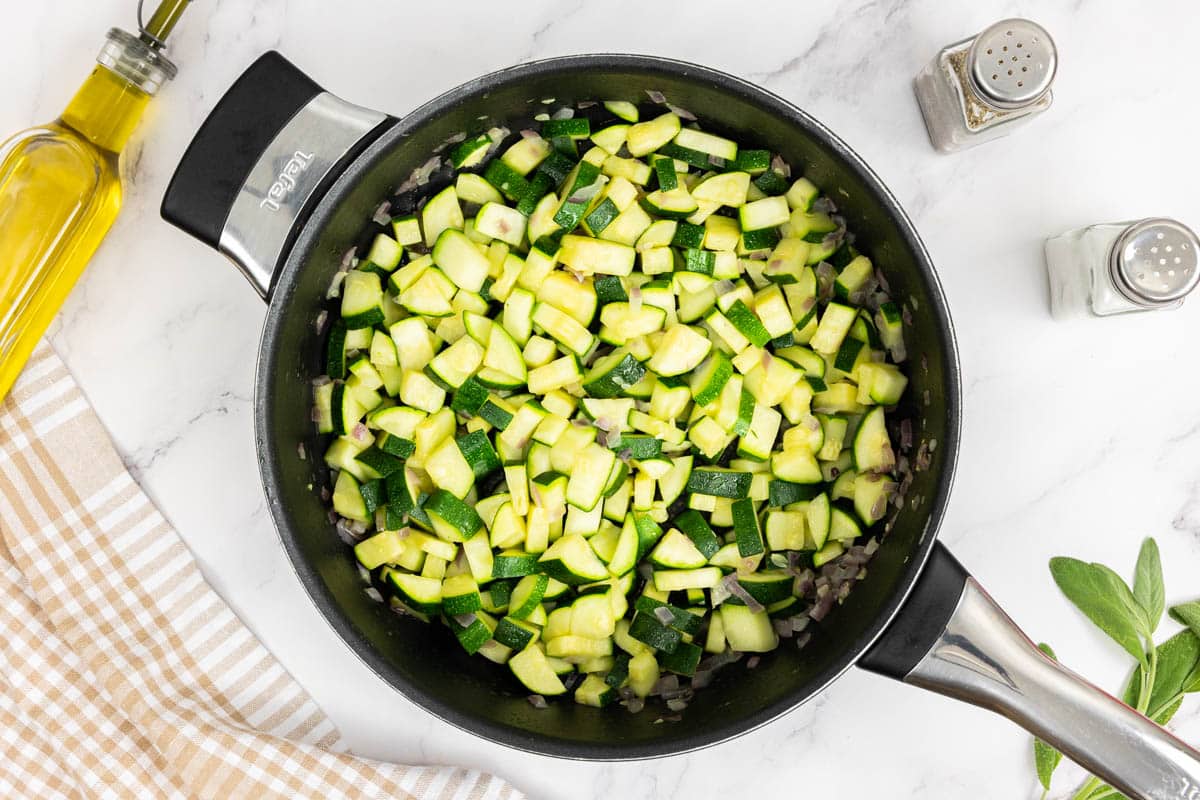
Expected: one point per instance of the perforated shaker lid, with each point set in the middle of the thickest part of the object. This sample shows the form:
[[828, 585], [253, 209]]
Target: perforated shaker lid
[[1155, 262], [1012, 63]]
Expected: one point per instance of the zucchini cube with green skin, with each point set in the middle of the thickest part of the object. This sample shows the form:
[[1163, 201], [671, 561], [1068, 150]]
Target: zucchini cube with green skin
[[382, 548], [684, 660], [693, 525], [747, 631], [676, 551], [595, 692], [423, 595], [589, 477], [460, 595], [472, 637], [675, 580], [681, 350], [872, 445], [646, 137], [785, 530], [587, 255], [452, 519], [746, 529], [515, 633], [572, 561], [477, 449], [532, 669], [719, 482], [362, 299], [449, 469]]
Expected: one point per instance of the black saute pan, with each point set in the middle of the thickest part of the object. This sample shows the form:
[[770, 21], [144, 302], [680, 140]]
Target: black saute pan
[[284, 177]]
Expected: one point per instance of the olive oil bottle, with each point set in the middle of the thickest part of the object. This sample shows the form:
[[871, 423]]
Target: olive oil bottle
[[60, 184]]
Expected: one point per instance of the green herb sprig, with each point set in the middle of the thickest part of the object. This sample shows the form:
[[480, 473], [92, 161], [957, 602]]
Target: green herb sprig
[[1164, 673]]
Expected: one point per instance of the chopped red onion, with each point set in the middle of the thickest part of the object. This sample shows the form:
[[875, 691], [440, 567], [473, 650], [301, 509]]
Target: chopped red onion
[[348, 260], [781, 166], [645, 571], [529, 133], [753, 662], [824, 205], [634, 704], [497, 135], [871, 547], [759, 255], [335, 285], [420, 175], [701, 678], [782, 627], [723, 287], [656, 96], [346, 532], [301, 451], [719, 594], [906, 315], [321, 380], [566, 112], [586, 104], [882, 280], [383, 214], [315, 414], [682, 113], [667, 684], [465, 620], [799, 622], [360, 433], [537, 701], [922, 461], [677, 704], [321, 321], [610, 438], [625, 455], [373, 593], [325, 494], [737, 590], [461, 136], [716, 161], [906, 435], [663, 615], [802, 640]]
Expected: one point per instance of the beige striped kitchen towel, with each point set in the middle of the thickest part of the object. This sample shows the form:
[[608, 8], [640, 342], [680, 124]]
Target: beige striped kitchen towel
[[124, 674]]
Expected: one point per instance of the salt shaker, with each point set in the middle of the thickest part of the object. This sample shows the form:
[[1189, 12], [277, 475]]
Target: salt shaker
[[979, 88], [1119, 267]]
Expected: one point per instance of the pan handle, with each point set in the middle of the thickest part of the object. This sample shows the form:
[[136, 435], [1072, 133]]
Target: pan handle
[[268, 151], [951, 638]]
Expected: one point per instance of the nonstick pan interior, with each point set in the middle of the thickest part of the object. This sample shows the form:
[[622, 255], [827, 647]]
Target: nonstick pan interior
[[425, 662]]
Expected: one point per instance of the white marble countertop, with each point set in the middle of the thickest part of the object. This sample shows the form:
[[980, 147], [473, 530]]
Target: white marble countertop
[[1079, 438]]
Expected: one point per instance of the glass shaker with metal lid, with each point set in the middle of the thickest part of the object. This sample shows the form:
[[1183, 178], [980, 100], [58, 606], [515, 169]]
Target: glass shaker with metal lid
[[979, 88], [1119, 267]]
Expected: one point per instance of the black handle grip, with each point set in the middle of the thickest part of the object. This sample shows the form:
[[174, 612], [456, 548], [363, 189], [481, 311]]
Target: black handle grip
[[922, 618], [233, 137]]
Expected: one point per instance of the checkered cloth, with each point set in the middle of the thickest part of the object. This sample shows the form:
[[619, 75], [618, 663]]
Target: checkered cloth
[[124, 674]]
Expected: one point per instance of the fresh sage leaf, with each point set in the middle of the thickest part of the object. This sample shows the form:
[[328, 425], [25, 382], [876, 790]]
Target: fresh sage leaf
[[1188, 614], [1045, 757], [1177, 673], [1148, 583], [1105, 599]]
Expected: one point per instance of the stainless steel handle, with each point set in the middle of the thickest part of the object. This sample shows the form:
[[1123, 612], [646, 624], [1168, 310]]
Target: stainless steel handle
[[299, 159], [984, 659]]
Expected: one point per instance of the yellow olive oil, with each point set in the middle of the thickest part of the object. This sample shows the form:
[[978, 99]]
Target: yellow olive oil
[[60, 186]]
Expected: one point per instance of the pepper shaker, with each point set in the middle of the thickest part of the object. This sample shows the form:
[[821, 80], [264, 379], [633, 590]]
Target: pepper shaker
[[1119, 267], [977, 89]]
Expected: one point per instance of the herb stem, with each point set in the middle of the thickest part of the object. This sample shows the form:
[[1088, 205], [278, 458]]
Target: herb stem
[[1085, 791], [1147, 682]]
